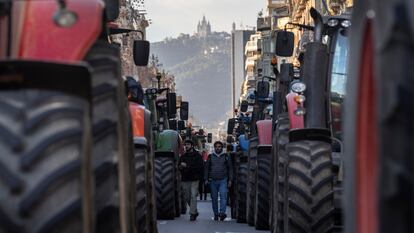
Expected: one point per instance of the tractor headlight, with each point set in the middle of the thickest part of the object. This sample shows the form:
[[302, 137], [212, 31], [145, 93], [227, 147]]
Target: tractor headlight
[[346, 23], [333, 22], [65, 18], [298, 87]]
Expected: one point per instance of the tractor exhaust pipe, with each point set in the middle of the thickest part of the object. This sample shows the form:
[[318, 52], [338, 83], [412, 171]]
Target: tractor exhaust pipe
[[317, 18]]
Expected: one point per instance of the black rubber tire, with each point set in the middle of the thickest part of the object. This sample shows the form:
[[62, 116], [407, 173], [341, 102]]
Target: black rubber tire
[[164, 187], [178, 193], [242, 192], [45, 163], [262, 202], [111, 140], [310, 187], [281, 138], [251, 184], [152, 205], [141, 206]]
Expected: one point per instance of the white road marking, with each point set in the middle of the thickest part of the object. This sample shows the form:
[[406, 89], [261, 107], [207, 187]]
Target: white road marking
[[162, 222]]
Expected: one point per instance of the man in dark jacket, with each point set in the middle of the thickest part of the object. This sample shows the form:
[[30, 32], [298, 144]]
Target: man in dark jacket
[[191, 167], [218, 172]]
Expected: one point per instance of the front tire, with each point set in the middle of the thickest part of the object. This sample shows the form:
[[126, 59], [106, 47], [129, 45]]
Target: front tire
[[164, 186], [310, 187]]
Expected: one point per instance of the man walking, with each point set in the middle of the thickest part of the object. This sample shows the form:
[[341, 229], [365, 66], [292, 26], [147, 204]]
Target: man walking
[[191, 167], [218, 172]]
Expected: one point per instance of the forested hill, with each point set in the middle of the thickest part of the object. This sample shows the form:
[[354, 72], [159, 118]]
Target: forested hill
[[201, 66]]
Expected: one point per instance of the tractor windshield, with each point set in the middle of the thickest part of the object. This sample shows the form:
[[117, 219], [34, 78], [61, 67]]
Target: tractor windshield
[[338, 80]]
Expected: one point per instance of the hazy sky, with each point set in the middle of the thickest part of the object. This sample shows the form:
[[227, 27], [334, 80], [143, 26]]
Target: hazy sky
[[171, 17]]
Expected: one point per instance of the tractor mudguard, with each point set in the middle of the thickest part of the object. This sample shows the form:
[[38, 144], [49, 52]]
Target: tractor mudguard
[[244, 142], [168, 141], [137, 113], [264, 132], [312, 134], [141, 142], [41, 39], [296, 122], [70, 78]]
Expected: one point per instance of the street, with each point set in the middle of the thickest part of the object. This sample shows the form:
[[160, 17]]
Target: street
[[204, 223]]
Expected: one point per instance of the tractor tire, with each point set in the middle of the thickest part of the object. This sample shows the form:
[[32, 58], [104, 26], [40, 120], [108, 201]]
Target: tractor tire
[[262, 202], [164, 187], [111, 159], [242, 192], [178, 193], [279, 169], [45, 164], [152, 205], [251, 185], [141, 206], [310, 206]]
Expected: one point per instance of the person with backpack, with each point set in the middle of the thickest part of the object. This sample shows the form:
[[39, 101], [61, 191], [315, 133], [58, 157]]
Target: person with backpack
[[219, 174], [191, 167]]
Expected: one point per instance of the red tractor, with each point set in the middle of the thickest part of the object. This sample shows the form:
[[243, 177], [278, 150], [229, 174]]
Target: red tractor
[[379, 123], [65, 132]]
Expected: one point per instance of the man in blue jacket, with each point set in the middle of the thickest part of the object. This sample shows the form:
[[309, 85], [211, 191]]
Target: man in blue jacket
[[218, 172]]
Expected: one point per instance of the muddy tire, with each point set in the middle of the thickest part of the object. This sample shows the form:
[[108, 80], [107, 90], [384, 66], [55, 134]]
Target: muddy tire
[[310, 187], [111, 159], [262, 202], [152, 205], [141, 205], [279, 159], [251, 184], [242, 192], [164, 187], [45, 163]]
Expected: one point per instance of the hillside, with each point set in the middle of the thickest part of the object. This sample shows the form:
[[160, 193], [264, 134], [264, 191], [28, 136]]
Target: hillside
[[201, 66]]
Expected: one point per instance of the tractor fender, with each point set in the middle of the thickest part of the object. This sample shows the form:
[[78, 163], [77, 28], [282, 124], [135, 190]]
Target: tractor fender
[[244, 142], [264, 132], [313, 134], [168, 141], [73, 79], [296, 122], [40, 38], [141, 142]]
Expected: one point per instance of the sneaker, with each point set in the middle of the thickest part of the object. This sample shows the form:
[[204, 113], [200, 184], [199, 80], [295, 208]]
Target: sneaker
[[216, 217], [223, 216]]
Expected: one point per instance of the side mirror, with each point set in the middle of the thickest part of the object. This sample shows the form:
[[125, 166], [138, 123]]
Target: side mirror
[[111, 9], [284, 43], [263, 89], [209, 137], [181, 125], [171, 105], [184, 111], [244, 106], [286, 72], [173, 124], [141, 52], [230, 125]]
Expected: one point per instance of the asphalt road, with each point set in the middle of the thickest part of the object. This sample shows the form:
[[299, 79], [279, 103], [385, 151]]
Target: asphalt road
[[204, 223]]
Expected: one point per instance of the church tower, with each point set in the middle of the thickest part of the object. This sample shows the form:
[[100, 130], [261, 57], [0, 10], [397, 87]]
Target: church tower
[[203, 27]]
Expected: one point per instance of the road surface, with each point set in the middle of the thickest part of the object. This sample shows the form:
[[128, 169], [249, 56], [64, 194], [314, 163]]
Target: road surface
[[204, 223]]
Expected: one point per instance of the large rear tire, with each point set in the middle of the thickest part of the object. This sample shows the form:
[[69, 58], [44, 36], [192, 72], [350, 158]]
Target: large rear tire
[[114, 172], [279, 159], [310, 206], [164, 186], [262, 199], [141, 206], [242, 176], [45, 163], [251, 185]]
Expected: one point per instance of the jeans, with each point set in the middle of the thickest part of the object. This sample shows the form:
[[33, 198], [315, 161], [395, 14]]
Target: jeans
[[190, 189], [219, 186]]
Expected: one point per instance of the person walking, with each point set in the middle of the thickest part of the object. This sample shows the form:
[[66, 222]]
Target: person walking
[[219, 174], [191, 168]]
